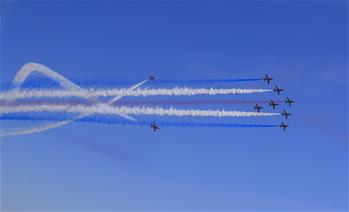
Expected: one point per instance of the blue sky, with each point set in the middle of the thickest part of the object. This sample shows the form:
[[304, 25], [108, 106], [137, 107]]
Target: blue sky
[[81, 166]]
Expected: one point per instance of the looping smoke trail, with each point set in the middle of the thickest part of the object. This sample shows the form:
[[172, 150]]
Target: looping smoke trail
[[29, 68], [106, 109], [126, 92]]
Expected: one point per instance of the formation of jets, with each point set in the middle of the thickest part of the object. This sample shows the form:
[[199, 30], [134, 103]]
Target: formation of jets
[[257, 107], [273, 104]]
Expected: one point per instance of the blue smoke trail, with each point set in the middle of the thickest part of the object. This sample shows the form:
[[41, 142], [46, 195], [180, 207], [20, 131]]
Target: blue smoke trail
[[117, 121], [104, 83]]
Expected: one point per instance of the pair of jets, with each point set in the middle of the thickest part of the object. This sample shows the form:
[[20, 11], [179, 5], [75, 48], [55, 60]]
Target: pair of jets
[[282, 125], [288, 101], [267, 79], [284, 113], [155, 127]]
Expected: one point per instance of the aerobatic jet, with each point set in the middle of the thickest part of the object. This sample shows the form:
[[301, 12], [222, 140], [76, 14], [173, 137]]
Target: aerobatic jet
[[283, 125], [286, 114], [278, 90], [153, 125], [267, 79], [258, 107], [273, 104], [289, 101], [151, 77]]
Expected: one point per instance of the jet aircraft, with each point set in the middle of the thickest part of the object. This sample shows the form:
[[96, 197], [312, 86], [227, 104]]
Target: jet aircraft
[[258, 107], [289, 101], [286, 114], [283, 125], [154, 126], [278, 90], [151, 77], [273, 104], [267, 79]]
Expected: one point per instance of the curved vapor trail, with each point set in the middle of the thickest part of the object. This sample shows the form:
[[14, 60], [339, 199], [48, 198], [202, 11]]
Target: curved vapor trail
[[126, 92], [29, 68], [106, 109], [108, 120]]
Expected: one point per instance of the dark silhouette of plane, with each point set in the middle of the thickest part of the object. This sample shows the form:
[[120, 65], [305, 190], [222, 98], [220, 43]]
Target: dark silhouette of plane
[[153, 125], [283, 125], [286, 114], [273, 104], [289, 101], [267, 79], [151, 77], [258, 107], [278, 90]]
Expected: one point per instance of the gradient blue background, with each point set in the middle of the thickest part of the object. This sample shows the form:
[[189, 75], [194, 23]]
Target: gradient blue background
[[303, 45]]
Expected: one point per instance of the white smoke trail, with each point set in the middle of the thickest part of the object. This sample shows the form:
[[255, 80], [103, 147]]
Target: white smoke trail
[[29, 68], [104, 109], [126, 92], [72, 89]]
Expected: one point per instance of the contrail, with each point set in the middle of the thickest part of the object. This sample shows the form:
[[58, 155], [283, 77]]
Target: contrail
[[111, 120], [106, 109], [126, 92], [93, 83], [135, 102]]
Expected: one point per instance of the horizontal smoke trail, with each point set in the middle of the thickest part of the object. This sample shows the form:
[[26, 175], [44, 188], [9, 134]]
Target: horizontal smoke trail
[[135, 102], [184, 91], [110, 120], [47, 83], [106, 109]]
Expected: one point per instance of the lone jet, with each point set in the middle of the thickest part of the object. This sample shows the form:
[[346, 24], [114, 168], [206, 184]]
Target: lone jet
[[151, 77], [273, 104], [267, 78], [286, 114], [278, 90], [258, 107], [289, 101], [283, 125], [153, 125]]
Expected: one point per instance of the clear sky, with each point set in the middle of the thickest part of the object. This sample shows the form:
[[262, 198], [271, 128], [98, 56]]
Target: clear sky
[[82, 166]]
